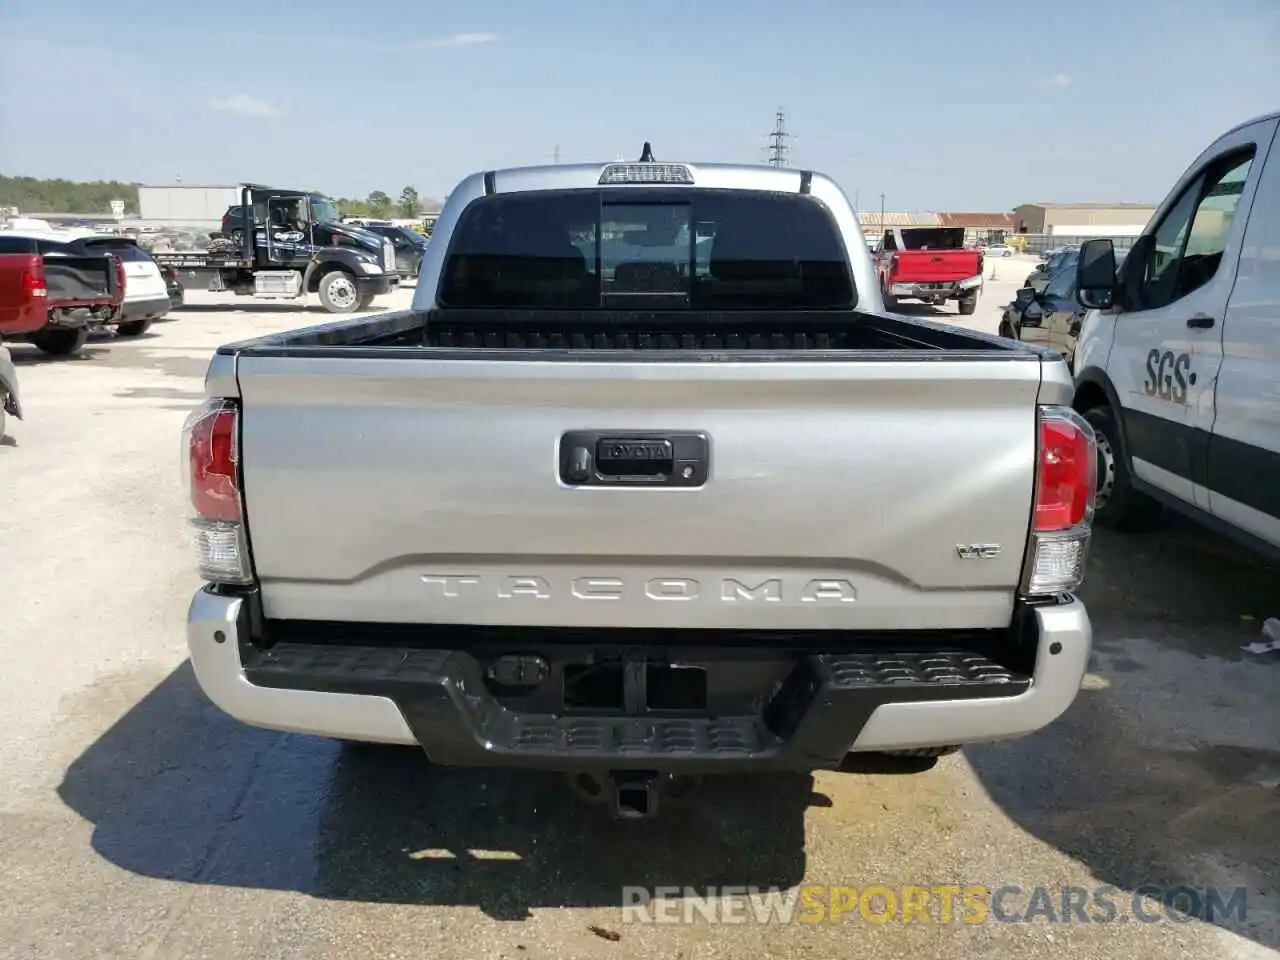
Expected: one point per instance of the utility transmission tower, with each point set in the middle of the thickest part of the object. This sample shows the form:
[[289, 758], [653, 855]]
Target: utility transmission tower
[[556, 153], [778, 137]]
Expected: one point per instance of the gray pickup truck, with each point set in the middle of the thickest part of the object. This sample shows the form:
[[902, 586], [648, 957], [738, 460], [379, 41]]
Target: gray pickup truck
[[645, 486]]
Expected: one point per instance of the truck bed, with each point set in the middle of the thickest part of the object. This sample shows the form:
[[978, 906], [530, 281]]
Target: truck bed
[[403, 469], [81, 281]]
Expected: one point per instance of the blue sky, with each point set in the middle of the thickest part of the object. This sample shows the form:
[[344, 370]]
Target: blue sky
[[938, 104]]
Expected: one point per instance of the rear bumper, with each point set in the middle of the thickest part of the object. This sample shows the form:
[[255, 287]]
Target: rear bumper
[[930, 289], [150, 309], [828, 705]]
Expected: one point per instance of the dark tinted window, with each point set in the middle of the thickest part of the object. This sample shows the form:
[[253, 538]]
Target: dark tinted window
[[1063, 284], [126, 250], [647, 249], [17, 245], [933, 238]]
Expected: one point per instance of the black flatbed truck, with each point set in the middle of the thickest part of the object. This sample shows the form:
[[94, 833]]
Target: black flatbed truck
[[285, 244]]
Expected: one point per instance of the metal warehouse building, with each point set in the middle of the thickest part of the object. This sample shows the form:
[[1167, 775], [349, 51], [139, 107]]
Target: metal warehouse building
[[183, 204], [1083, 219]]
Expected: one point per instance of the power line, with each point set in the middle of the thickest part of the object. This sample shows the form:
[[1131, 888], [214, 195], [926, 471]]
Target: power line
[[779, 149]]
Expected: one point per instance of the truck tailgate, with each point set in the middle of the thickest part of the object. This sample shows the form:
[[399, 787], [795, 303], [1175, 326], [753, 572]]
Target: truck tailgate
[[423, 490], [80, 279], [924, 266]]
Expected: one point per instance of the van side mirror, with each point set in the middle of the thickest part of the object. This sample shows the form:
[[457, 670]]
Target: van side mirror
[[1096, 274]]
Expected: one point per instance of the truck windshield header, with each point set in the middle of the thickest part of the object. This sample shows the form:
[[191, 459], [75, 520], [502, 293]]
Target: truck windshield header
[[647, 248]]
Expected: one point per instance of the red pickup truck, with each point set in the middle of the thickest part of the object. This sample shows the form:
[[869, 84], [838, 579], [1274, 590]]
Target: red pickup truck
[[930, 264], [52, 300]]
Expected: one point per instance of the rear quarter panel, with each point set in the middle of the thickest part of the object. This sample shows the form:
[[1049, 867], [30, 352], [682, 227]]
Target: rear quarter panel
[[19, 312]]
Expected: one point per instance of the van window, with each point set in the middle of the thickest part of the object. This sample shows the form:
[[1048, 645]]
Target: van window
[[1188, 244]]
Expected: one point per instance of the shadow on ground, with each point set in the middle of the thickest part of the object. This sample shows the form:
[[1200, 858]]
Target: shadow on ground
[[1165, 770], [177, 790], [26, 355]]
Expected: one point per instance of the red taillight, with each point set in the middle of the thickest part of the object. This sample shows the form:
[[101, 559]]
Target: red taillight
[[33, 279], [893, 265], [120, 277], [210, 457], [1066, 472], [211, 450]]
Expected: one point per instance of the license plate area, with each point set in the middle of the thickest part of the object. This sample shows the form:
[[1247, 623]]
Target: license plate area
[[627, 458]]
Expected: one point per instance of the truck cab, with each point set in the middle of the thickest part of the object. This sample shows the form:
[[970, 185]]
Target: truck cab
[[1179, 352]]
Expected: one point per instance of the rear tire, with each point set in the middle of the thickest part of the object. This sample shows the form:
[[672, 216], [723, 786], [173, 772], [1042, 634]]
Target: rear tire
[[60, 341], [1119, 505], [890, 301], [134, 328], [339, 292], [968, 306]]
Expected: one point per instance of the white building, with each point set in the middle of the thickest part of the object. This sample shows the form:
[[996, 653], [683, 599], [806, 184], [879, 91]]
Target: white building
[[186, 204]]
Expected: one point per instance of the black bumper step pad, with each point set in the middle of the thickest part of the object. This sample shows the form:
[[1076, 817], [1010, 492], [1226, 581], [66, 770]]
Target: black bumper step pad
[[808, 723]]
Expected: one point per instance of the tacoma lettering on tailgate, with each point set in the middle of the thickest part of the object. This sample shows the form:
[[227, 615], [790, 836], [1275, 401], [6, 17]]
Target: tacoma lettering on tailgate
[[658, 589]]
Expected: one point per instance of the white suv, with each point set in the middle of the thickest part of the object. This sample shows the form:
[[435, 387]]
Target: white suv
[[146, 295]]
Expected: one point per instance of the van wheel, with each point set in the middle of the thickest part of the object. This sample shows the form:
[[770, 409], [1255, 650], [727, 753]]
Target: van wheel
[[60, 341], [1119, 506], [338, 292], [134, 328], [968, 306]]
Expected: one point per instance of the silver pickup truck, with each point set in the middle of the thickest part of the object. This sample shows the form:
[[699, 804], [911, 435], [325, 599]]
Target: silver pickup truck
[[645, 486]]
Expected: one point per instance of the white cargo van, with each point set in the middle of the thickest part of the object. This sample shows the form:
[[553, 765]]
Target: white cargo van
[[1177, 364]]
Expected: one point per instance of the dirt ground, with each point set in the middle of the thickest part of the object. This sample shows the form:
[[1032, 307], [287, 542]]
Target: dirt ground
[[138, 821]]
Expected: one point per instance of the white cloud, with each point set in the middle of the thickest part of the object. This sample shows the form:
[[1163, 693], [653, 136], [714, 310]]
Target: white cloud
[[462, 40], [244, 105], [1057, 80]]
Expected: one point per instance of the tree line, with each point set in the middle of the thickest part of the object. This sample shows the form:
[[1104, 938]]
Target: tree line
[[379, 204], [33, 195]]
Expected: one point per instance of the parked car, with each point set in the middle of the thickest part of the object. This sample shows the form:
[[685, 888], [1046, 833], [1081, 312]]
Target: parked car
[[999, 250], [146, 293], [1050, 318], [9, 404], [1179, 355], [1054, 262], [51, 297], [410, 246], [173, 286], [930, 264], [659, 556]]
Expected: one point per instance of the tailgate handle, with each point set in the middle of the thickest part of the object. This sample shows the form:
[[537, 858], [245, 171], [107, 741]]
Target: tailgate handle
[[628, 457], [611, 457]]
